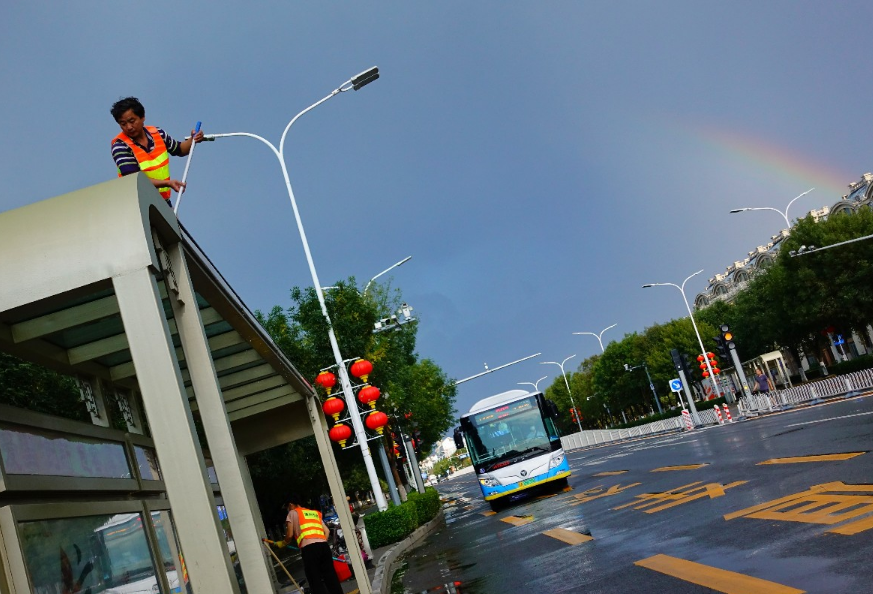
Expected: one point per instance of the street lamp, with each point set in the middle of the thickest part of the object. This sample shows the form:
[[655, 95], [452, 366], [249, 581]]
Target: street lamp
[[784, 214], [566, 383], [808, 249], [392, 267], [715, 389], [354, 83], [599, 336], [535, 385], [651, 385]]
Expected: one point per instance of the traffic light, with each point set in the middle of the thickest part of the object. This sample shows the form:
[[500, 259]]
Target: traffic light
[[721, 346], [728, 337], [686, 365]]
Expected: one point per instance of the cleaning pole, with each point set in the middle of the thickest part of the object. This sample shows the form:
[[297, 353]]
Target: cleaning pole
[[282, 565], [185, 174]]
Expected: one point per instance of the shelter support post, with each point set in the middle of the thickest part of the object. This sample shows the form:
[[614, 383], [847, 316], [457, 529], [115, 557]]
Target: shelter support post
[[172, 426], [222, 447], [337, 493]]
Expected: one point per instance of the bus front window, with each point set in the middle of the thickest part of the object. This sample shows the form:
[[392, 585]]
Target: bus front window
[[507, 432]]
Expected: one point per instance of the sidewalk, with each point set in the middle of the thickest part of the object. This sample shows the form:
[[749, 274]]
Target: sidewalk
[[379, 574]]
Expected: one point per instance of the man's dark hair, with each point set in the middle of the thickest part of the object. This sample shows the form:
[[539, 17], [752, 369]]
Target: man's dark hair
[[122, 105]]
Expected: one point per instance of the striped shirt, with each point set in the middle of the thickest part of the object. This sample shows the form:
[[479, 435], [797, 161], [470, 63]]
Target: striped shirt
[[127, 163]]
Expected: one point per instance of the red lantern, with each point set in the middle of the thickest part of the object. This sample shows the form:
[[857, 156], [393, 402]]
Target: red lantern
[[376, 421], [369, 395], [361, 368], [326, 380], [340, 433], [710, 355], [333, 406], [700, 357], [705, 374], [716, 370], [703, 365]]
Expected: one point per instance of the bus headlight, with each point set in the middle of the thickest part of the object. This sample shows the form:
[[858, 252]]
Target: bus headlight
[[488, 482], [556, 461]]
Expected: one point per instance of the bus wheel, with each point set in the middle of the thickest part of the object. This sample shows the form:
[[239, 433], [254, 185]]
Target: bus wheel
[[496, 505]]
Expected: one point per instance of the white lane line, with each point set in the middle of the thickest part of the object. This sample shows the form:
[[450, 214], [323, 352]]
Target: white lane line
[[831, 419]]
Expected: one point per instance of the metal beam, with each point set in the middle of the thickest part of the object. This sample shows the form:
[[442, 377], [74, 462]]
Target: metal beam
[[65, 318], [258, 408]]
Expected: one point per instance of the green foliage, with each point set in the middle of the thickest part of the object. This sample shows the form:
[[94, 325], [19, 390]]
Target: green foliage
[[392, 525], [33, 387], [857, 364], [427, 504], [443, 466]]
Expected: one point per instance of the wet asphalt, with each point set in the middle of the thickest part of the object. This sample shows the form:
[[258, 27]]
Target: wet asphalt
[[792, 546]]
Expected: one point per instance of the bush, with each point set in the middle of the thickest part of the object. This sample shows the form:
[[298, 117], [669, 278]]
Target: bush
[[427, 504], [392, 525], [856, 364]]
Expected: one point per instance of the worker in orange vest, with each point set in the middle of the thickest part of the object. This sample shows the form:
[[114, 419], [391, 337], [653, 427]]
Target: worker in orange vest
[[146, 148], [307, 528]]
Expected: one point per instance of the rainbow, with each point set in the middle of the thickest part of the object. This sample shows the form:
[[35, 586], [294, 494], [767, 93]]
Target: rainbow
[[769, 157]]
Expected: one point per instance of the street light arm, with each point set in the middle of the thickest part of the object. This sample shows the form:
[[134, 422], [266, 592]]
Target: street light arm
[[295, 118], [392, 267], [792, 202], [255, 136]]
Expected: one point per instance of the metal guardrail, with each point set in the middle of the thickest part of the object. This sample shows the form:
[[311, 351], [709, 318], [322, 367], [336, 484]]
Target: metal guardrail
[[811, 393], [592, 437]]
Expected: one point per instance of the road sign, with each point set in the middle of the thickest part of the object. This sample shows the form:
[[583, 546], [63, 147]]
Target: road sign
[[839, 340], [676, 385]]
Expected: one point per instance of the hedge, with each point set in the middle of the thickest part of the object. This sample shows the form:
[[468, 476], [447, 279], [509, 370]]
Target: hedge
[[398, 521]]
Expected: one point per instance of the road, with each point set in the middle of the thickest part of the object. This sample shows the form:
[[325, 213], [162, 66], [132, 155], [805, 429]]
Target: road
[[711, 523]]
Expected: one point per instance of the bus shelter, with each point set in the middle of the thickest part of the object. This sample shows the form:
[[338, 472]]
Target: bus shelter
[[103, 284]]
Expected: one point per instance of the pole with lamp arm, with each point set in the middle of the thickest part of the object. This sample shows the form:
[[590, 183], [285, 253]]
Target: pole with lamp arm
[[354, 83], [536, 386], [712, 379], [567, 384], [392, 267], [598, 336], [784, 214]]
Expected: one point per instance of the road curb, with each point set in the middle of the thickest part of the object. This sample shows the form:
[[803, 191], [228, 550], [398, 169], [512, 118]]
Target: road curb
[[385, 567]]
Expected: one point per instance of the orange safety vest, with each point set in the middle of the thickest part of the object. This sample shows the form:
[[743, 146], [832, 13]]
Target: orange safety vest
[[310, 525], [155, 163]]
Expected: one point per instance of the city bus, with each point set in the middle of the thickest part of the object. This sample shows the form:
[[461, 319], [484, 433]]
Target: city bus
[[514, 444]]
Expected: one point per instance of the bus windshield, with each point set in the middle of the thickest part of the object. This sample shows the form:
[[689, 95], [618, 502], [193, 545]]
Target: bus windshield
[[510, 432]]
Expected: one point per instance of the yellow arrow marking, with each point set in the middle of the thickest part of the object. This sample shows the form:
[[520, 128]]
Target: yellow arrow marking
[[518, 520], [489, 513], [686, 467], [568, 536], [610, 473], [719, 580], [821, 458]]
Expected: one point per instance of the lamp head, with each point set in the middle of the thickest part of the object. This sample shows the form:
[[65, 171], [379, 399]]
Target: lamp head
[[365, 78]]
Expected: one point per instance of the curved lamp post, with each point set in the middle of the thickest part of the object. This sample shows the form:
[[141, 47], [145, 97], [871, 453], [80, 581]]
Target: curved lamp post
[[535, 385], [598, 336], [715, 390], [354, 83], [566, 383], [784, 214], [392, 267]]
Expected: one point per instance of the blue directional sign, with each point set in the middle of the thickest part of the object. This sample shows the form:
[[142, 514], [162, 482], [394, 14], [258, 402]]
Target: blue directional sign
[[839, 340], [676, 385]]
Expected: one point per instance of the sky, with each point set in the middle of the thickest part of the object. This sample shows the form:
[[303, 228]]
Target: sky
[[540, 161]]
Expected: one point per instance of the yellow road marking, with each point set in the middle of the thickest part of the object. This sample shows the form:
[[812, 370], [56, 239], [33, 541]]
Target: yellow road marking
[[686, 467], [679, 495], [828, 503], [518, 520], [719, 580], [489, 513], [821, 458], [610, 473], [547, 496], [568, 536], [597, 492]]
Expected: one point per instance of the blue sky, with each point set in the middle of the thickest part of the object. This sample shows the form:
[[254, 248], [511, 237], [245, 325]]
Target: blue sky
[[539, 161]]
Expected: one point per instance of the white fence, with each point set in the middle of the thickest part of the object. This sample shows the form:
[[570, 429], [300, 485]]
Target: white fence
[[807, 393], [592, 437], [749, 407]]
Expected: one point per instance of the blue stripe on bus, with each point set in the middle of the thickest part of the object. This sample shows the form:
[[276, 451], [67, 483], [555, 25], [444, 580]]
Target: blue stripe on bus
[[559, 472]]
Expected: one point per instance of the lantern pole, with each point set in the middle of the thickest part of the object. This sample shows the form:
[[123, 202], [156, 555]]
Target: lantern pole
[[355, 83]]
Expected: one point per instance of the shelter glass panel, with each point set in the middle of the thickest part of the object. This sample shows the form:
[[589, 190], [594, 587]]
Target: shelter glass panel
[[103, 553], [33, 451], [172, 559], [147, 460]]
